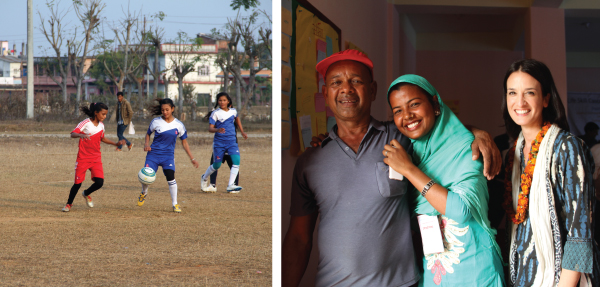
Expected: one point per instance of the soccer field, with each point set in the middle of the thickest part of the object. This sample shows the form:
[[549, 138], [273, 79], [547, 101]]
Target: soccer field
[[219, 239]]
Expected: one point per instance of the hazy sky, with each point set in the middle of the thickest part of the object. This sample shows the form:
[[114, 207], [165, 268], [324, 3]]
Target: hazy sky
[[190, 16]]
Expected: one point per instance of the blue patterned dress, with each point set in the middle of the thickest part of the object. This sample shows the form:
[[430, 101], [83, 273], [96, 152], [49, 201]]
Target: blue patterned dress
[[573, 229]]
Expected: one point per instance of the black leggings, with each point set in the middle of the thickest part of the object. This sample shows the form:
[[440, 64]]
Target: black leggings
[[169, 173], [213, 176], [98, 182]]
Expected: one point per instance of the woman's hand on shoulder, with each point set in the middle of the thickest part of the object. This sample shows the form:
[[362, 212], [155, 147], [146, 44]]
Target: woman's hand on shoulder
[[397, 157]]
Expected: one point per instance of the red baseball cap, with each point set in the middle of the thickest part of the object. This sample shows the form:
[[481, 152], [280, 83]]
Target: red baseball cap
[[349, 54]]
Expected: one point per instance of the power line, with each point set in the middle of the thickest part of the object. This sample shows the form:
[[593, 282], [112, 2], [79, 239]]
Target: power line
[[169, 16], [193, 23]]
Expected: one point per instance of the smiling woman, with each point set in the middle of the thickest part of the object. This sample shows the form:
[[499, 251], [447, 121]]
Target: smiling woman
[[549, 187], [448, 185], [414, 109]]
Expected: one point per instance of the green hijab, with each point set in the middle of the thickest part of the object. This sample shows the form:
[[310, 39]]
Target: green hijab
[[444, 154]]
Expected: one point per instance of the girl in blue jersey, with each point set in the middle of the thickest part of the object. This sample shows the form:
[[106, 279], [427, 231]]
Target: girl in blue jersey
[[162, 151], [222, 122]]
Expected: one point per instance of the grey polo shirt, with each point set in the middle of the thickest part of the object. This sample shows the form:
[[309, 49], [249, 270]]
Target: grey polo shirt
[[364, 232]]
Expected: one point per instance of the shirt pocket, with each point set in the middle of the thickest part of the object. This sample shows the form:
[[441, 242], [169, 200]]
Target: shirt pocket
[[388, 187]]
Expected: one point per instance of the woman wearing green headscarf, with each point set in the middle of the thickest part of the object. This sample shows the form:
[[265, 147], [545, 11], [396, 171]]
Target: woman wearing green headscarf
[[448, 184]]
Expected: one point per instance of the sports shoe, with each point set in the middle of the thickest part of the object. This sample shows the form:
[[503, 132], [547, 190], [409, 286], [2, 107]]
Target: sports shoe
[[234, 188], [130, 146], [176, 208], [211, 188], [118, 149], [141, 199], [88, 199], [67, 208], [204, 185]]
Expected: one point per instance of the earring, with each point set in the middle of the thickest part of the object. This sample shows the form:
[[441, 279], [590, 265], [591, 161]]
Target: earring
[[437, 113]]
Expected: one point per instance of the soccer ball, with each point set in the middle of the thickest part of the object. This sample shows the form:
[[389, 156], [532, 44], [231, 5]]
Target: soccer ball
[[146, 175]]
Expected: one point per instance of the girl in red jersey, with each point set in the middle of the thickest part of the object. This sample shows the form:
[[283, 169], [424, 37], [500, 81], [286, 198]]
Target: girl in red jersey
[[90, 132]]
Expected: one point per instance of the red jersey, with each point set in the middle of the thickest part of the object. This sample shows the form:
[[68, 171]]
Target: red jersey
[[89, 150]]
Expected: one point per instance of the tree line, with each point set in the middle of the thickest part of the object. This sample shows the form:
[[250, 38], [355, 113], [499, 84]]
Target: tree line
[[94, 37]]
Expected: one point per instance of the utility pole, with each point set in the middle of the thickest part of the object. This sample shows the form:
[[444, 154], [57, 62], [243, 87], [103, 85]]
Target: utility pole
[[147, 68], [30, 68]]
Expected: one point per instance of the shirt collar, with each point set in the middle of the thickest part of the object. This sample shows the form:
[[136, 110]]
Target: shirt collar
[[333, 134]]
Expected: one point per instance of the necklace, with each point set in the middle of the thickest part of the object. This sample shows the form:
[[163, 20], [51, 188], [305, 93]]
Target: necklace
[[518, 216]]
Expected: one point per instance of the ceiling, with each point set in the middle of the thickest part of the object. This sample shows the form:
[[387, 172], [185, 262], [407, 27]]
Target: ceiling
[[495, 24]]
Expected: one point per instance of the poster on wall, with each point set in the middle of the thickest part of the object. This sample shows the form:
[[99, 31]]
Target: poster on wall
[[286, 75], [314, 39], [582, 108]]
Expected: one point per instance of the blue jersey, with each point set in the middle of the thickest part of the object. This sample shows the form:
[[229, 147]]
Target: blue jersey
[[226, 120], [165, 136]]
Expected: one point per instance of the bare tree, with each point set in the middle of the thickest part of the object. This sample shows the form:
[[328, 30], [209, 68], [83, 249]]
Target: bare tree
[[226, 56], [128, 57], [88, 12], [55, 34], [265, 32], [184, 55], [156, 37], [241, 30], [253, 49]]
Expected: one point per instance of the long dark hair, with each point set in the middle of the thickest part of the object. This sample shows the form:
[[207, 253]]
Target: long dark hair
[[229, 105], [554, 113], [94, 107], [156, 109]]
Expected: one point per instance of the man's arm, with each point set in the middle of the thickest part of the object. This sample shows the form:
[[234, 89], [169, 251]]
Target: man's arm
[[129, 111], [484, 144], [297, 246]]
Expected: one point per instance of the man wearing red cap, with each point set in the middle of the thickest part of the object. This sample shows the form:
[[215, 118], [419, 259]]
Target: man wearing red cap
[[364, 232]]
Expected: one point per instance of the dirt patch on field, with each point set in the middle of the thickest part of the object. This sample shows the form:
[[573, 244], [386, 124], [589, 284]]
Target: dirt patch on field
[[219, 239]]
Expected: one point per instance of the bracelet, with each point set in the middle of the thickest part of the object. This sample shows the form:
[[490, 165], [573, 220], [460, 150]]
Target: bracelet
[[193, 159], [427, 187]]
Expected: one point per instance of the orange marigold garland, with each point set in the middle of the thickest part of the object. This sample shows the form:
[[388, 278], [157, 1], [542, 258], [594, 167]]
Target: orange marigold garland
[[518, 216]]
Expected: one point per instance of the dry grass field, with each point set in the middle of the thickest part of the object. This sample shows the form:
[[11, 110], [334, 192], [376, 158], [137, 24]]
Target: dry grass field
[[219, 239]]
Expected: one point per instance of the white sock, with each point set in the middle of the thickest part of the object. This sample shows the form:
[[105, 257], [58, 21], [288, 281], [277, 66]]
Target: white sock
[[173, 191], [233, 174], [144, 189], [209, 171]]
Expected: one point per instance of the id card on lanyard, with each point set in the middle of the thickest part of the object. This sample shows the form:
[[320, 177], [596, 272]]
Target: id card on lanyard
[[431, 234]]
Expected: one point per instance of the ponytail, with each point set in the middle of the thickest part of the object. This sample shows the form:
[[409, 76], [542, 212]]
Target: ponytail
[[156, 109], [93, 109]]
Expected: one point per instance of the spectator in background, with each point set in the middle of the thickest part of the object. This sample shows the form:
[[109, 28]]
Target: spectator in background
[[124, 115], [591, 131]]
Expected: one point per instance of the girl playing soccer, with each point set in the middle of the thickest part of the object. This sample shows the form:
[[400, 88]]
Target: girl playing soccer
[[162, 151], [222, 122], [90, 132]]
